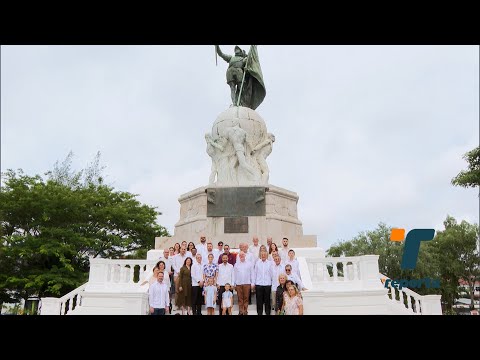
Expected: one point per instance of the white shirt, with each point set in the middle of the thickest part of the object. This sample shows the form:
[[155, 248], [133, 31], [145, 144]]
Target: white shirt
[[178, 261], [283, 253], [197, 273], [296, 280], [217, 252], [202, 249], [158, 297], [255, 250], [263, 273], [295, 267], [225, 274], [168, 263], [249, 257], [244, 273], [276, 271], [215, 257]]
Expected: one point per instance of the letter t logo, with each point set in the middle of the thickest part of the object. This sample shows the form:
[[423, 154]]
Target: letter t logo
[[412, 244]]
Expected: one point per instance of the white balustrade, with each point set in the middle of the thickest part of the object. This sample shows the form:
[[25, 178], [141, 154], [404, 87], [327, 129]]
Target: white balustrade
[[318, 269], [117, 274], [63, 305], [412, 302]]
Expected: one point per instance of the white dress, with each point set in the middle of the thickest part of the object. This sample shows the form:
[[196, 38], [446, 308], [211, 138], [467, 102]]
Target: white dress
[[227, 299]]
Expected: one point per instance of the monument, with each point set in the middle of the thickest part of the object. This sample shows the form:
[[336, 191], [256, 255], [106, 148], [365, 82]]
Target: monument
[[239, 202]]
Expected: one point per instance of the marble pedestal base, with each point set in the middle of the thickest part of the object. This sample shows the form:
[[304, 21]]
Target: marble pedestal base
[[281, 220]]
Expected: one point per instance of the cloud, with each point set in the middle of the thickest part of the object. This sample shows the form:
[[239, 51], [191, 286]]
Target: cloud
[[363, 133]]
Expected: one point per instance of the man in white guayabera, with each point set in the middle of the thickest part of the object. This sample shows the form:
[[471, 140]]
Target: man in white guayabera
[[158, 297]]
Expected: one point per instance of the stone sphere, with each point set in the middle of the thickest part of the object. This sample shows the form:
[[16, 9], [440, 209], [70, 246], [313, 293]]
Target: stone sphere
[[248, 120]]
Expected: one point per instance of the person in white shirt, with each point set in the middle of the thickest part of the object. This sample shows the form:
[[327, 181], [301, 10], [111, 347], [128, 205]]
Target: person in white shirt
[[158, 298], [202, 247], [283, 251], [168, 263], [210, 250], [178, 261], [269, 243], [272, 251], [263, 284], [294, 277], [189, 253], [166, 278], [244, 281], [197, 285], [151, 279], [249, 257], [277, 268], [219, 250], [225, 275], [293, 262], [259, 257], [255, 248]]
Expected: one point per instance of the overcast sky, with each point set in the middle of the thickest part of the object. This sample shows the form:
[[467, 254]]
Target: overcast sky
[[364, 134]]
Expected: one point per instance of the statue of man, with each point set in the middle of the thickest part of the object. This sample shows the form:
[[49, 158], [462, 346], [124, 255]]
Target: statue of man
[[261, 152], [236, 65], [214, 150], [237, 136]]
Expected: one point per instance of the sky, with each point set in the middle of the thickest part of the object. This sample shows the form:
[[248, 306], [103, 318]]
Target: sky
[[364, 134]]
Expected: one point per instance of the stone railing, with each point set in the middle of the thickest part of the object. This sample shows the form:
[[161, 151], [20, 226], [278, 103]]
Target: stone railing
[[112, 274], [335, 273], [63, 305], [410, 302]]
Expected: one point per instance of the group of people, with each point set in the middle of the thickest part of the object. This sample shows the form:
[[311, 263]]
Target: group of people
[[198, 275]]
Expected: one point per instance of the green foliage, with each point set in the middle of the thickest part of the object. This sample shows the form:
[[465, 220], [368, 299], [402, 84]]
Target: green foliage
[[470, 177], [50, 227], [450, 312], [450, 256], [457, 258]]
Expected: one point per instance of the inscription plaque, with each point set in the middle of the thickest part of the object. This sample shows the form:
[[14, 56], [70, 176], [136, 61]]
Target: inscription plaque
[[235, 225], [236, 201]]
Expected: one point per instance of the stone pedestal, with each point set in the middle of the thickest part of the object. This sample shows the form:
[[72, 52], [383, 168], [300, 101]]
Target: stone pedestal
[[280, 220]]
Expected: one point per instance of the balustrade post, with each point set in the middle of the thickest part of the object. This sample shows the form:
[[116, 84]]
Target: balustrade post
[[334, 270], [431, 305], [369, 272], [345, 271], [98, 275], [355, 265], [50, 306]]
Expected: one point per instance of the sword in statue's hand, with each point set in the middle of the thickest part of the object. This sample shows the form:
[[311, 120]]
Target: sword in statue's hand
[[216, 56]]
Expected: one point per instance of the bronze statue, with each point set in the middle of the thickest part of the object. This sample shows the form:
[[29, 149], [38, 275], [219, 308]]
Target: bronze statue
[[244, 76]]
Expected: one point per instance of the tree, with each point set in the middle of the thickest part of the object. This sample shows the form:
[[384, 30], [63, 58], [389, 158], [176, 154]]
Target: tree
[[50, 227], [470, 177], [458, 258], [452, 255]]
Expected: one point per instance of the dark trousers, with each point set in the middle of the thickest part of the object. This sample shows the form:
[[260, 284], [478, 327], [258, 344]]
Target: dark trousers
[[263, 298], [219, 299], [197, 300], [157, 311], [171, 292]]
